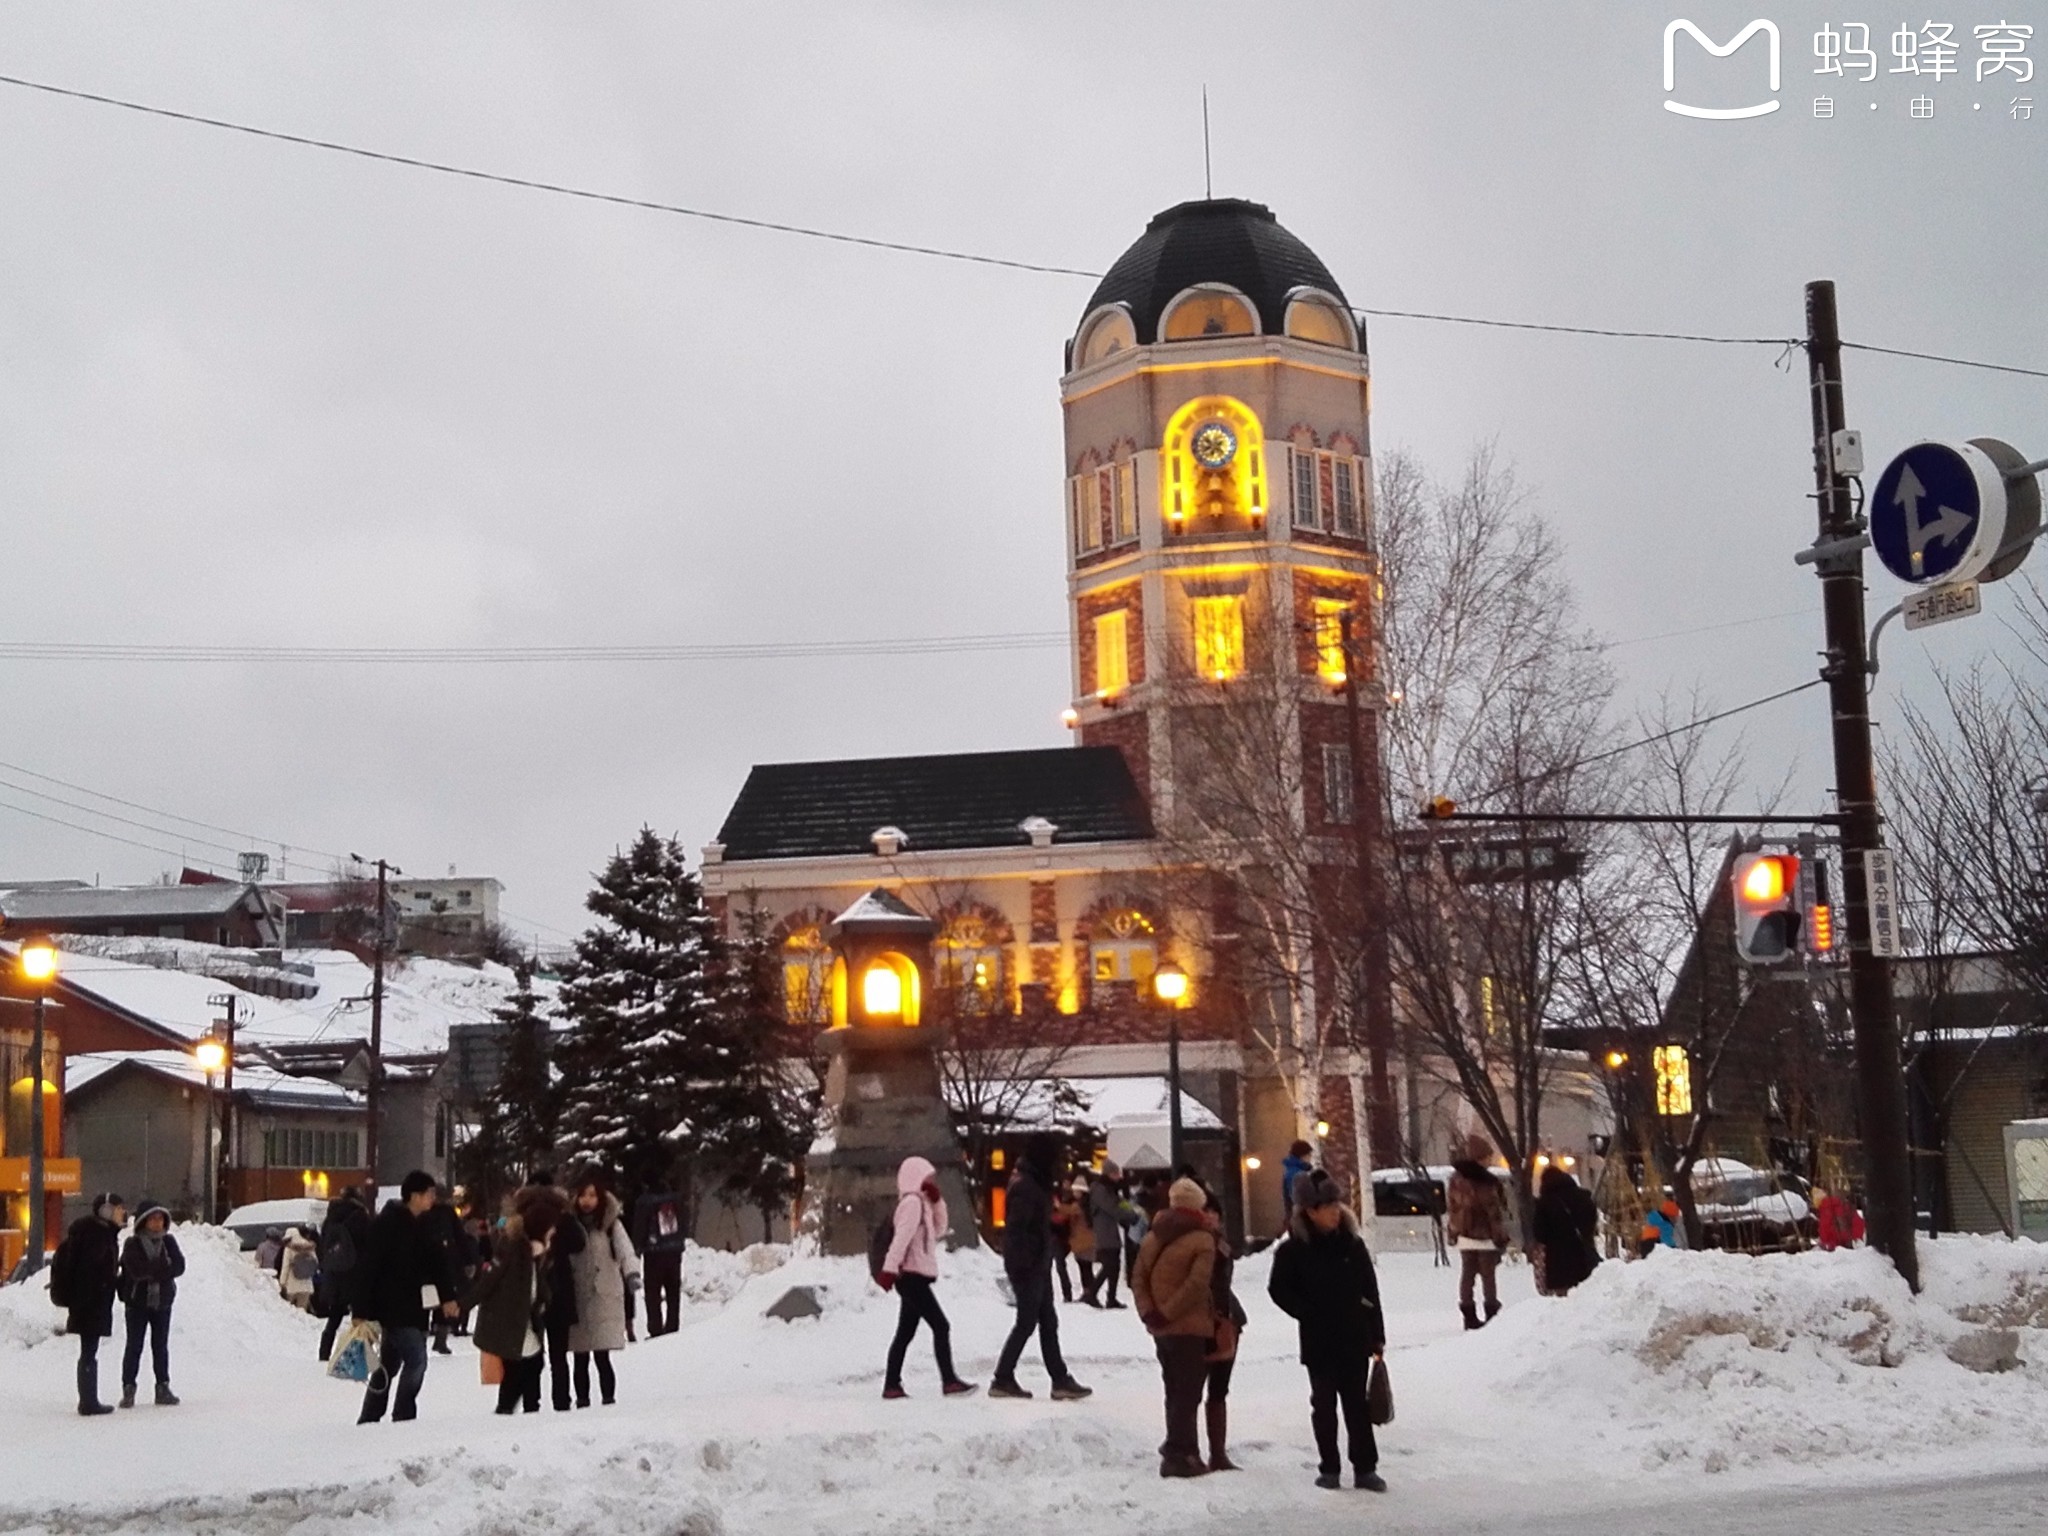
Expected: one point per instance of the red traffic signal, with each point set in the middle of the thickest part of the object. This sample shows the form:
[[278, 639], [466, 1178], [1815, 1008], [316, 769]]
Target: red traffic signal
[[1767, 915]]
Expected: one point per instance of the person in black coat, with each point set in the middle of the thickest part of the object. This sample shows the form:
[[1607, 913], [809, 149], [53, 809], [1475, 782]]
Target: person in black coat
[[658, 1234], [1564, 1226], [343, 1237], [443, 1225], [150, 1265], [95, 1264], [400, 1260], [1323, 1278], [1027, 1260]]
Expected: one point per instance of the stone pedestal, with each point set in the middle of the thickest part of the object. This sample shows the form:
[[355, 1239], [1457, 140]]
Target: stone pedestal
[[882, 1104]]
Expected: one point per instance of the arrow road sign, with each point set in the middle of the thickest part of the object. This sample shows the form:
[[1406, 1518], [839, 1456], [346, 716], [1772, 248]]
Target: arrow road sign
[[1937, 514]]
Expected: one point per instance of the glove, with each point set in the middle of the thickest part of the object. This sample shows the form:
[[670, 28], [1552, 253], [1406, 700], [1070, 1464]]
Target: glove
[[886, 1279]]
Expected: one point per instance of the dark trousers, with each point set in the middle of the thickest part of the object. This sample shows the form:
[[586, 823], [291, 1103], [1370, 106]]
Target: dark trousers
[[1184, 1372], [1066, 1277], [88, 1369], [1219, 1379], [558, 1364], [402, 1360], [1475, 1264], [662, 1278], [519, 1387], [918, 1302], [607, 1383], [1328, 1391], [1035, 1309], [1104, 1277], [157, 1326]]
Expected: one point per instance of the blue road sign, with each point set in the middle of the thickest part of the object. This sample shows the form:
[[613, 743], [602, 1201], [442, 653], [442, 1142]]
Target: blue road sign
[[1929, 511]]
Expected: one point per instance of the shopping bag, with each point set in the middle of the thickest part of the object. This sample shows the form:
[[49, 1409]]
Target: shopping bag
[[1379, 1396], [490, 1368], [355, 1354]]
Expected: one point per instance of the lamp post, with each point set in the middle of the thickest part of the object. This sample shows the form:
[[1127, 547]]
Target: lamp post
[[38, 963], [210, 1055], [1170, 986]]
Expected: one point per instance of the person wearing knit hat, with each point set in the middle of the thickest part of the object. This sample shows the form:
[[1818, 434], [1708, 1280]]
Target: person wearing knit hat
[[1323, 1278], [150, 1266], [1171, 1285]]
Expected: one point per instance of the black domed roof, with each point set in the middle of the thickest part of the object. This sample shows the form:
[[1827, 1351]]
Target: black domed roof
[[1220, 240]]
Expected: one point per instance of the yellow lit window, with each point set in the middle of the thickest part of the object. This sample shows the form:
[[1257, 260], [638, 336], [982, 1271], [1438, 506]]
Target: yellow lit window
[[1330, 639], [1208, 314], [1674, 1080], [1112, 654], [1219, 637]]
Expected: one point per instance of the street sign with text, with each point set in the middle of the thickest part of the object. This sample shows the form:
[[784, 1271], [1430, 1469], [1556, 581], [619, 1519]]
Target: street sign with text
[[1881, 891], [1937, 605]]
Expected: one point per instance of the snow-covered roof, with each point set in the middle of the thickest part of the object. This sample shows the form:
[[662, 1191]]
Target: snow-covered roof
[[258, 1082], [1113, 1103], [102, 903], [879, 908]]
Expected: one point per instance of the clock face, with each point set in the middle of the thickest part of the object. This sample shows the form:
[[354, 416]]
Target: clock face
[[1215, 445]]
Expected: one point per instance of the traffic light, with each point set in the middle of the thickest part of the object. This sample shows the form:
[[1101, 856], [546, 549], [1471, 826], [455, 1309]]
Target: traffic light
[[1819, 928], [1767, 909]]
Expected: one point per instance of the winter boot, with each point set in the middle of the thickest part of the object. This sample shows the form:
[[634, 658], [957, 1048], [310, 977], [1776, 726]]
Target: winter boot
[[165, 1397], [1492, 1310], [1181, 1466], [1068, 1391], [1372, 1482], [1007, 1389], [892, 1392], [89, 1390], [961, 1388], [127, 1394], [1329, 1480], [1218, 1415], [1471, 1315]]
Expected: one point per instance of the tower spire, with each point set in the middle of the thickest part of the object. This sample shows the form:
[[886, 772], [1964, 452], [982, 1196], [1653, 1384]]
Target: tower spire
[[1208, 181]]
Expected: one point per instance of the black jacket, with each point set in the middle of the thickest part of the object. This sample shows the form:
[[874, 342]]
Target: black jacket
[[336, 1289], [399, 1261], [1027, 1226], [650, 1214], [1564, 1227], [139, 1274], [1325, 1282], [95, 1271]]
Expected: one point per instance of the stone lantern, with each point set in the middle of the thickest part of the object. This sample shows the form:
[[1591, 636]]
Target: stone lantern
[[882, 1101]]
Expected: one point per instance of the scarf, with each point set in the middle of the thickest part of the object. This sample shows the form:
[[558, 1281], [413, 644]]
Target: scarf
[[152, 1293]]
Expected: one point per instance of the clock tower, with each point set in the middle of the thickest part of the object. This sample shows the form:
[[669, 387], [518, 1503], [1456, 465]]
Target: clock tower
[[1219, 504]]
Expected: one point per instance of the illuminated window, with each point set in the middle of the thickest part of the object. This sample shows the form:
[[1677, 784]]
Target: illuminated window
[[1219, 637], [806, 977], [1329, 621], [1112, 654], [1205, 312], [1103, 336], [1313, 317], [970, 961], [1083, 494], [1674, 1080], [1127, 949], [1337, 782]]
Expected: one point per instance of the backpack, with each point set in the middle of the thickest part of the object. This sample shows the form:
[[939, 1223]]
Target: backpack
[[879, 1243], [64, 1275], [305, 1265], [338, 1250]]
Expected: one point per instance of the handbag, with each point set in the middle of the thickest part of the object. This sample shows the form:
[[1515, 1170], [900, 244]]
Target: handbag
[[490, 1368], [1379, 1396], [356, 1355]]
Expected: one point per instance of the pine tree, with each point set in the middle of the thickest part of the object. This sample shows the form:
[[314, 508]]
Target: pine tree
[[763, 1122], [640, 1010], [527, 1101]]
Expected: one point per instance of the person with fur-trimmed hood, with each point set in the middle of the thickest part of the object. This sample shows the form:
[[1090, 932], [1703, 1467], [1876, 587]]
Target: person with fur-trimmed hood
[[601, 1270], [911, 1269], [1171, 1285], [1323, 1278], [511, 1298], [148, 1284], [1476, 1221]]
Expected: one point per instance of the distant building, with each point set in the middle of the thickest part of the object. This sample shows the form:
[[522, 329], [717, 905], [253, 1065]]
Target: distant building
[[218, 912], [431, 912]]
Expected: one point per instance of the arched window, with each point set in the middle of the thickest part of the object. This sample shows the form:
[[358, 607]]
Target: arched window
[[1125, 947], [806, 976], [972, 966], [1104, 334], [1208, 311], [1315, 316], [1213, 467]]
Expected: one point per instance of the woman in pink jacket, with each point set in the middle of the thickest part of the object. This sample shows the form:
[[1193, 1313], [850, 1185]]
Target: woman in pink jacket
[[912, 1270]]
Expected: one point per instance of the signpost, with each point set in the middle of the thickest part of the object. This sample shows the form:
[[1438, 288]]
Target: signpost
[[1881, 891], [1938, 605]]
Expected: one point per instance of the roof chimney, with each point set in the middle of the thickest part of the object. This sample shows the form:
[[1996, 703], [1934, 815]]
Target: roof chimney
[[889, 840], [1039, 830]]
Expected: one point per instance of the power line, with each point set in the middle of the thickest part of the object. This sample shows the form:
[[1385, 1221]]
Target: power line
[[1586, 330], [114, 837], [126, 821], [1957, 362], [560, 189], [473, 655], [136, 805]]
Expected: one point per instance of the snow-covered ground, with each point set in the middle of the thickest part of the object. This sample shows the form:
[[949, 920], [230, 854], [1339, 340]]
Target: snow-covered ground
[[1687, 1376]]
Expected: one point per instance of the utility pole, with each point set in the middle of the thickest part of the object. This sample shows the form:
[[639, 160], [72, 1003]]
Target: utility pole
[[374, 1095], [1880, 1081], [1366, 828], [226, 1001]]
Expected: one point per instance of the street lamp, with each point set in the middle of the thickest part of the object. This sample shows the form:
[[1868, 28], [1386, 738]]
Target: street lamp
[[209, 1054], [38, 965], [1170, 986]]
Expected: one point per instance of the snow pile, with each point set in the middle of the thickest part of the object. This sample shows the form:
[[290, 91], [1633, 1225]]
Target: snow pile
[[1711, 1361], [713, 1276]]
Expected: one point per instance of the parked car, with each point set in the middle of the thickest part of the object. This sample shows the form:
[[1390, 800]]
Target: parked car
[[250, 1222], [1748, 1211]]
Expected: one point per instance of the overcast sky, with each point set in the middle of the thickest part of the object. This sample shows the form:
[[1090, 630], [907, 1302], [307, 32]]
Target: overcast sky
[[263, 394]]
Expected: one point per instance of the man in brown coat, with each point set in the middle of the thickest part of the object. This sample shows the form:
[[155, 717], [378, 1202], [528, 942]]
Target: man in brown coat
[[1171, 1286]]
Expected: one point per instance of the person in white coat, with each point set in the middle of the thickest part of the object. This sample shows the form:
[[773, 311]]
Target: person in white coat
[[603, 1268], [911, 1269]]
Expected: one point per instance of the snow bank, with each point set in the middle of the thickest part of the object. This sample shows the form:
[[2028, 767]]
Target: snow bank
[[1710, 1361]]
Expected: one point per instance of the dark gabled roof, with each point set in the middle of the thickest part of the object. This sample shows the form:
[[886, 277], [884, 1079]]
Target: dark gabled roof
[[960, 800], [1225, 240]]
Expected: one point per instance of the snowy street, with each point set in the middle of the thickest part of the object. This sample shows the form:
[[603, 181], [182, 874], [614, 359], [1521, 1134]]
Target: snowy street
[[1690, 1393]]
